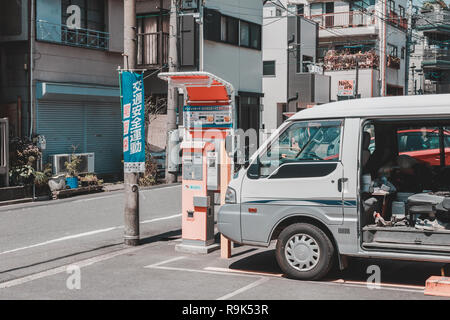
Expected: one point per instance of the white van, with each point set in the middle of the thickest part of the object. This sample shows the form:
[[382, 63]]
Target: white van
[[363, 178]]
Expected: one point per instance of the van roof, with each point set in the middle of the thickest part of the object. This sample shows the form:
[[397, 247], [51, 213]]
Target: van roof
[[417, 105]]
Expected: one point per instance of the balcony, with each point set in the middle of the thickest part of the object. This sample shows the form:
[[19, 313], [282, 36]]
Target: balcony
[[344, 60], [153, 49], [393, 62], [353, 22], [435, 58], [434, 22], [397, 20], [61, 34]]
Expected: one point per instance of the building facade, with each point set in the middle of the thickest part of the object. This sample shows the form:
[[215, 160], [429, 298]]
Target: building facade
[[292, 81], [59, 76], [362, 45], [430, 63], [230, 47]]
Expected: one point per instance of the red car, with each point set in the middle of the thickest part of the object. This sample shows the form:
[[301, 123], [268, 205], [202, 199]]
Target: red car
[[423, 145]]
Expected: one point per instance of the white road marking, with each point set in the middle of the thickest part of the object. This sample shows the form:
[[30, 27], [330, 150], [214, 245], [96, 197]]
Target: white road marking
[[243, 289], [84, 234], [93, 199], [392, 285], [81, 264], [164, 262], [239, 273], [75, 236], [161, 219], [203, 271], [268, 274]]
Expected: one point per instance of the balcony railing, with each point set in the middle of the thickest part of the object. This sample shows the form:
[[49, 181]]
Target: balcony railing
[[393, 62], [57, 33], [397, 20], [436, 57], [344, 19], [432, 20], [153, 49], [344, 60]]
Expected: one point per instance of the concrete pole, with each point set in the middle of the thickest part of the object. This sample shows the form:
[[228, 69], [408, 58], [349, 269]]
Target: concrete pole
[[357, 79], [172, 92], [408, 46], [131, 232]]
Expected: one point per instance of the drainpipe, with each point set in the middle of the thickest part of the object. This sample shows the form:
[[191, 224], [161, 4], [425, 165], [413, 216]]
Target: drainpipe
[[291, 40], [31, 64]]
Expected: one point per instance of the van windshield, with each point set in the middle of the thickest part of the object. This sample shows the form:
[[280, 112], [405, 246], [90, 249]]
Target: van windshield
[[303, 141]]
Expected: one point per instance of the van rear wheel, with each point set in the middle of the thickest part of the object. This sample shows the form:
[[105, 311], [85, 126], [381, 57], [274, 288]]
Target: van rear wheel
[[304, 252]]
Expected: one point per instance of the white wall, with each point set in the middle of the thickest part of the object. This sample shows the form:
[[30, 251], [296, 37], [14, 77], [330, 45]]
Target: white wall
[[240, 66], [367, 84], [398, 38], [274, 48]]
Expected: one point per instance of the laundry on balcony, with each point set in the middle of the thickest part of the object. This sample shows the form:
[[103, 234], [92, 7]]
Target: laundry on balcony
[[345, 60]]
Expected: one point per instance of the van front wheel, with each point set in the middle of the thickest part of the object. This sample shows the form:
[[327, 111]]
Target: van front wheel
[[304, 252]]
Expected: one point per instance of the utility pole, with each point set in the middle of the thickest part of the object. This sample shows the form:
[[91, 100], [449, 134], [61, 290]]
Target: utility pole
[[172, 93], [357, 79], [131, 232], [408, 46]]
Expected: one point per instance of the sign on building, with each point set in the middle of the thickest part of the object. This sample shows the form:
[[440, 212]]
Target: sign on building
[[133, 118], [346, 88], [203, 117]]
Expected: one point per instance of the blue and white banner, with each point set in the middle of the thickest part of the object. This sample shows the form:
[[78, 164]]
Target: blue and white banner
[[133, 117]]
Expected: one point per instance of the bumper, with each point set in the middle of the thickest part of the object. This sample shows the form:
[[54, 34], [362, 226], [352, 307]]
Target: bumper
[[229, 222]]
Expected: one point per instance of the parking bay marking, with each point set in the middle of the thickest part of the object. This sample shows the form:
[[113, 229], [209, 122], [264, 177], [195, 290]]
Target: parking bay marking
[[85, 234], [244, 273], [81, 264]]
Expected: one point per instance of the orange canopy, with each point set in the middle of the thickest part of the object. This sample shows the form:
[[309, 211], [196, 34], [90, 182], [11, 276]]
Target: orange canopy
[[201, 88]]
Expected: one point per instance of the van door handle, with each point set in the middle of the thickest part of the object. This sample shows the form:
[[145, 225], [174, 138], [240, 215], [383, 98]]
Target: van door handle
[[341, 181]]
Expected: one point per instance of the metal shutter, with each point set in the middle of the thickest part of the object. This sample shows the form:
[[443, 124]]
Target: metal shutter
[[92, 126], [104, 136], [62, 124]]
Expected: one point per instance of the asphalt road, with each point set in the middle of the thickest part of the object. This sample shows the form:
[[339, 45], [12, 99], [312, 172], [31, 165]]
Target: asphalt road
[[38, 242], [43, 235]]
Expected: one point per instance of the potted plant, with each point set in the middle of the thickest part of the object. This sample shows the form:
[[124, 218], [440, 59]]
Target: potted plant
[[72, 170], [90, 180]]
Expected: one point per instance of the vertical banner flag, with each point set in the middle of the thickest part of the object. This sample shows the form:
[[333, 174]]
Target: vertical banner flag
[[133, 118]]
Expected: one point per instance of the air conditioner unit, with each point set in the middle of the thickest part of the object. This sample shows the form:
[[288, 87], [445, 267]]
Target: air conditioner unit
[[87, 164]]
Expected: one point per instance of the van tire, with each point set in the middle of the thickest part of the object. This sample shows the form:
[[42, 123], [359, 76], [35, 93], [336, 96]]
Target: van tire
[[312, 244]]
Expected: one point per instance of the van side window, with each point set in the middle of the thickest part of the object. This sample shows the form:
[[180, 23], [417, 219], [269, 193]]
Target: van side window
[[303, 141]]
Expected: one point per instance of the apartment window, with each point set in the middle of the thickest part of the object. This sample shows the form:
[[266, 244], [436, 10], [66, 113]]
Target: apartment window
[[92, 13], [278, 12], [401, 11], [301, 9], [392, 50], [269, 68], [255, 36], [245, 34], [403, 52], [391, 6], [229, 30], [250, 35], [307, 60]]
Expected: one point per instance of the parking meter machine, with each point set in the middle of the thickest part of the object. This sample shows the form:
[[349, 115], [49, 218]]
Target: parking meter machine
[[207, 119]]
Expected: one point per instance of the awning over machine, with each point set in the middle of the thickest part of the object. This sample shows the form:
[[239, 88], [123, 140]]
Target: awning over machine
[[201, 88]]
